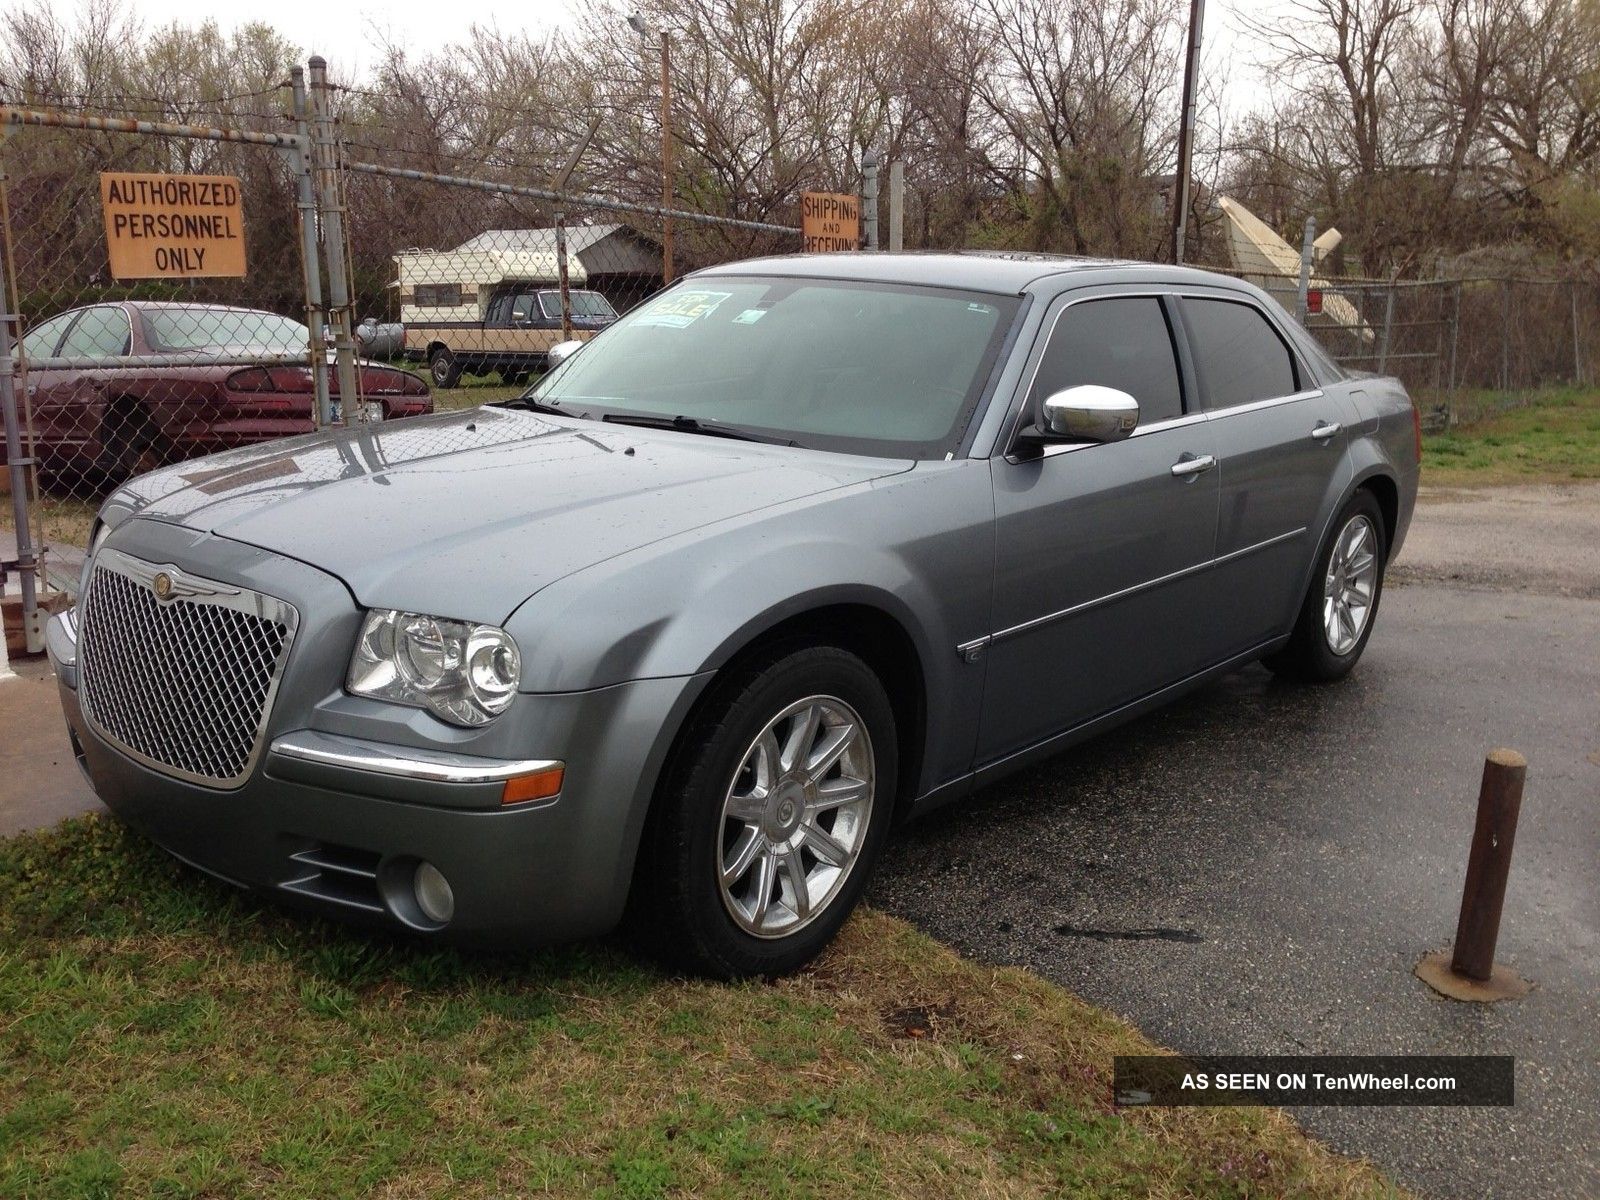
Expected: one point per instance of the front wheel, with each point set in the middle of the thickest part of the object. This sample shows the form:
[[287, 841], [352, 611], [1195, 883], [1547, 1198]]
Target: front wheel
[[443, 367], [1340, 607], [770, 817]]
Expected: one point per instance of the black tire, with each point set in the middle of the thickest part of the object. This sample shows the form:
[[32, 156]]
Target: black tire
[[678, 910], [130, 444], [444, 369], [1310, 656]]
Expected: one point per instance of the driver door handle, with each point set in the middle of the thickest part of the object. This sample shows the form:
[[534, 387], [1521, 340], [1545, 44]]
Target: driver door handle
[[1193, 466], [1325, 430]]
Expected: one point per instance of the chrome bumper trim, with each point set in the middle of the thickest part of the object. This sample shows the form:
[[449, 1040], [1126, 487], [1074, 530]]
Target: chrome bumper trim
[[405, 762], [61, 643]]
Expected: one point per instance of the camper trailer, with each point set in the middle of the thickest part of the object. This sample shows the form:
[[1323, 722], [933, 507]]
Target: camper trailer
[[477, 309]]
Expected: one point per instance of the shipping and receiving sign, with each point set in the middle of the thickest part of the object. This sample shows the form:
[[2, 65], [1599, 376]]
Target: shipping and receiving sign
[[829, 221], [172, 226]]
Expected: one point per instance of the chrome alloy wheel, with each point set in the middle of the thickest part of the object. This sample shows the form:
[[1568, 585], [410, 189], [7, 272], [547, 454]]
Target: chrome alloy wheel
[[795, 816], [1352, 581]]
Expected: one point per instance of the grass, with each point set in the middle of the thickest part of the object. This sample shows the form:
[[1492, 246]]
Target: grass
[[1555, 438], [163, 1036], [66, 520], [474, 390]]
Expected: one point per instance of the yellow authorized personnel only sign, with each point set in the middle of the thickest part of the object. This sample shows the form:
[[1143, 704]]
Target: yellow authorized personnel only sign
[[830, 221], [172, 226]]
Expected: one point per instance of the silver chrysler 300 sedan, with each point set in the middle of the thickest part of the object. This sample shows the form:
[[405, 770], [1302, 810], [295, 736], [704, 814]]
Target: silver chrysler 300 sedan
[[798, 548]]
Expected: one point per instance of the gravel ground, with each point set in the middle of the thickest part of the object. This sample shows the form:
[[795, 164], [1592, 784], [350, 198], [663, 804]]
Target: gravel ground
[[1543, 538], [1256, 869]]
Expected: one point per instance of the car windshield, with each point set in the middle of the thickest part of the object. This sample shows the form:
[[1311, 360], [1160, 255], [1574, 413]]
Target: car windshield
[[216, 328], [864, 368], [584, 304]]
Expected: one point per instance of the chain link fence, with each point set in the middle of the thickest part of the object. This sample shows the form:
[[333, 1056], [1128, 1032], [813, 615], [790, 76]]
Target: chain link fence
[[473, 280], [400, 289], [113, 372], [1463, 347]]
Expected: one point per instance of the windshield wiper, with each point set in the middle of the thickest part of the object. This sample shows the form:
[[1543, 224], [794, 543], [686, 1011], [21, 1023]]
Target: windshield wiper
[[695, 425], [534, 404]]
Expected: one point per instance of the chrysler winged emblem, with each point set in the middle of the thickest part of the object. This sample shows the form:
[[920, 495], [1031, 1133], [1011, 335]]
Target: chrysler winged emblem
[[162, 585]]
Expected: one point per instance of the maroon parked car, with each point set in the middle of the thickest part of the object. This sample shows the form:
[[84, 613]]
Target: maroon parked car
[[104, 423]]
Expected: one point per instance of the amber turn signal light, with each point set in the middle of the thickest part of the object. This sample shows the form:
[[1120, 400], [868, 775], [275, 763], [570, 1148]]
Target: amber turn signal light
[[540, 785]]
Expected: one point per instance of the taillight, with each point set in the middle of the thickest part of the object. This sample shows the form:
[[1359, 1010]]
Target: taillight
[[1416, 428], [1313, 302], [293, 380]]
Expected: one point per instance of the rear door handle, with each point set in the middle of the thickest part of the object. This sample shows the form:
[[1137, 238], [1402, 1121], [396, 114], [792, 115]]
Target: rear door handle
[[1325, 430], [1193, 466]]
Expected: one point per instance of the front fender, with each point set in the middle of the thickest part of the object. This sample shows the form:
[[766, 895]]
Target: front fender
[[917, 547]]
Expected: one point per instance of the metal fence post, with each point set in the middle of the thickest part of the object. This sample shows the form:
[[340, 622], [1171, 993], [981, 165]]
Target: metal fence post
[[1505, 335], [1388, 329], [306, 201], [333, 244], [869, 200], [1455, 334], [562, 275], [1577, 345], [16, 463], [1302, 292], [27, 565], [897, 207]]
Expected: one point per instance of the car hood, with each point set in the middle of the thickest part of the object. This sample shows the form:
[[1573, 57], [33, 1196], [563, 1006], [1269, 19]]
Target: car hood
[[467, 514]]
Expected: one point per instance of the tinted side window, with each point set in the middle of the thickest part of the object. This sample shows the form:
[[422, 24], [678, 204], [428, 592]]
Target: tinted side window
[[99, 333], [499, 307], [1124, 344], [41, 339], [1237, 354]]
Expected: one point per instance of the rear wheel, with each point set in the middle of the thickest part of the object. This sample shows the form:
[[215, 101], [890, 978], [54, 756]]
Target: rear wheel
[[1340, 607], [770, 818], [130, 444], [443, 367]]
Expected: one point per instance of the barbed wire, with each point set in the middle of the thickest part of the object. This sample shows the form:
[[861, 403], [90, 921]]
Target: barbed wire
[[112, 103]]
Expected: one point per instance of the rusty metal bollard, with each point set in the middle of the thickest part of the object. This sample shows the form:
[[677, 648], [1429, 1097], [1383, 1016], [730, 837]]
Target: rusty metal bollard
[[1469, 972], [1489, 863]]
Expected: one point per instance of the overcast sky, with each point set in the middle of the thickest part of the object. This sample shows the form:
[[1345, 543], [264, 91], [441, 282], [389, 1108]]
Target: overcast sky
[[348, 32]]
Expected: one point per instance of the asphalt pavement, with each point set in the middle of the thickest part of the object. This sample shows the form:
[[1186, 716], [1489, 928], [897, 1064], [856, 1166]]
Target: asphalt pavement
[[1257, 869]]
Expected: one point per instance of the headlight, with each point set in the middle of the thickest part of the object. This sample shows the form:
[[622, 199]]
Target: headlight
[[460, 672]]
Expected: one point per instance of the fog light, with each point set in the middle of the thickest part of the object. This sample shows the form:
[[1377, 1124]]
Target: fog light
[[434, 896]]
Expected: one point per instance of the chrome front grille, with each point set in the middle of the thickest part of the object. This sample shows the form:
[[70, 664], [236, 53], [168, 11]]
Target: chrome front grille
[[177, 671]]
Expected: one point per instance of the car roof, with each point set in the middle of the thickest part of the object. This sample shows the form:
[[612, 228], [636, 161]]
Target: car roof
[[187, 306], [1010, 272]]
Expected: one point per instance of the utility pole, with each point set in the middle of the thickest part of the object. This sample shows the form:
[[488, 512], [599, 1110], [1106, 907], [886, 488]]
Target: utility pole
[[1191, 83], [640, 26], [666, 158]]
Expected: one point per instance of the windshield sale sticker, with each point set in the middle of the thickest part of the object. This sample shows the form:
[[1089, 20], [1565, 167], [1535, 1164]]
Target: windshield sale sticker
[[679, 310]]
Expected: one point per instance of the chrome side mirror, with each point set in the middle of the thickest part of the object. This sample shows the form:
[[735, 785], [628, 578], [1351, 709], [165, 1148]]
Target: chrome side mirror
[[560, 352], [1089, 413]]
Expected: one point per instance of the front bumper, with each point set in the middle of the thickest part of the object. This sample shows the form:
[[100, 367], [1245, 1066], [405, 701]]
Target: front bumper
[[349, 796]]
